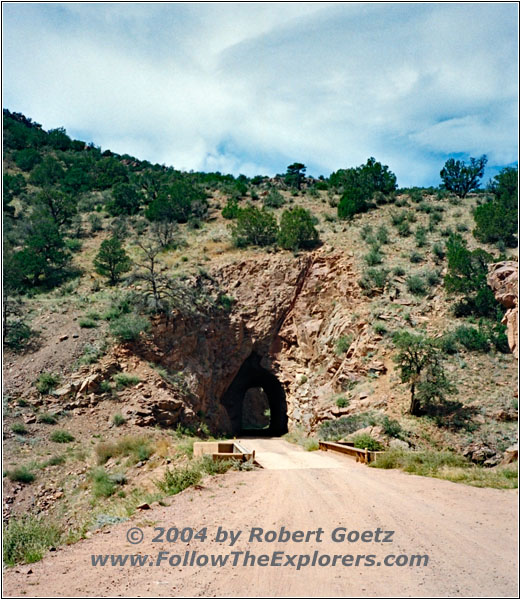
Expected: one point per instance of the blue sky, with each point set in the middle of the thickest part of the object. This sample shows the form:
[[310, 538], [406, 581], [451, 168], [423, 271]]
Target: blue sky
[[252, 87]]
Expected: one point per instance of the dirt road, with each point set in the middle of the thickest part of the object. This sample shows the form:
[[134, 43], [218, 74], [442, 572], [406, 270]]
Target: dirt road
[[469, 534]]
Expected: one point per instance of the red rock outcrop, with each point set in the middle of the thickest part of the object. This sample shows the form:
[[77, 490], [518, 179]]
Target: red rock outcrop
[[503, 279]]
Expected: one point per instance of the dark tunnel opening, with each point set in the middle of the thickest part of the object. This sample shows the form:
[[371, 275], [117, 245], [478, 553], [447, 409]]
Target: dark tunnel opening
[[253, 375]]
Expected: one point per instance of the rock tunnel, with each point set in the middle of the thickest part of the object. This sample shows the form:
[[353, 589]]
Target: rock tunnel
[[268, 389]]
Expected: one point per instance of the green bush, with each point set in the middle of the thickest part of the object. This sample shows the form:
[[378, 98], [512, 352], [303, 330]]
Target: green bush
[[137, 448], [496, 220], [18, 335], [46, 382], [254, 227], [342, 402], [391, 427], [87, 323], [123, 380], [104, 484], [432, 277], [118, 419], [439, 252], [231, 209], [416, 285], [47, 418], [178, 479], [339, 428], [297, 230], [472, 339], [19, 428], [61, 436], [274, 199], [415, 257], [342, 344], [364, 440], [21, 475], [374, 257], [55, 460], [28, 538], [404, 229], [421, 237], [128, 327], [352, 202], [382, 235], [373, 279]]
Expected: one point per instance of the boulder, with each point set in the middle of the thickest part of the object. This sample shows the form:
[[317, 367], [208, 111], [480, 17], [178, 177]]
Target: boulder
[[503, 279], [510, 454]]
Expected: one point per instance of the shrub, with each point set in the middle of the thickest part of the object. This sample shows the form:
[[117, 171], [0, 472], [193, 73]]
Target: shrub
[[399, 271], [178, 479], [471, 338], [352, 202], [19, 428], [421, 237], [415, 257], [125, 380], [46, 382], [103, 483], [136, 448], [310, 445], [95, 222], [118, 419], [380, 329], [432, 277], [214, 467], [416, 285], [254, 227], [18, 335], [342, 344], [87, 323], [27, 539], [382, 235], [373, 279], [438, 251], [467, 275], [339, 428], [496, 220], [366, 233], [231, 209], [61, 436], [297, 230], [274, 199], [391, 427], [21, 475], [374, 257], [434, 219], [364, 440], [342, 402], [55, 460], [403, 229], [128, 327]]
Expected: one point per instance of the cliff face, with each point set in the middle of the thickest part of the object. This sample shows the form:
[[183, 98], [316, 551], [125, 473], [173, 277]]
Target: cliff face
[[503, 279], [287, 317]]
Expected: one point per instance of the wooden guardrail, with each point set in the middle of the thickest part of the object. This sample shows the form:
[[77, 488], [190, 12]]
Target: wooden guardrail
[[362, 455]]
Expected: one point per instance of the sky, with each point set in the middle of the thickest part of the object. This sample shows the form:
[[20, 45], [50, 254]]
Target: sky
[[253, 87]]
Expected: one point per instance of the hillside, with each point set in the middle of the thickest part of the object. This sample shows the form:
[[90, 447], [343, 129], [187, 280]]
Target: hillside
[[137, 317]]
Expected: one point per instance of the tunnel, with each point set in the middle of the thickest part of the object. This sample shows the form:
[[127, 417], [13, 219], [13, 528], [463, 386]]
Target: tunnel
[[239, 401]]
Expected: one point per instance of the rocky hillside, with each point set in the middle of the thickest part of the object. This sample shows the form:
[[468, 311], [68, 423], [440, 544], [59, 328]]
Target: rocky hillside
[[207, 335]]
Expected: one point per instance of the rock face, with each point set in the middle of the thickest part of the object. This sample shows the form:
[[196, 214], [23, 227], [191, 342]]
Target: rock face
[[503, 279], [282, 333]]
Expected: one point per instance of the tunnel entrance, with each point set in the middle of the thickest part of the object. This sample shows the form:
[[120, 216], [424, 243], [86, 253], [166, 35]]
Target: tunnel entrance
[[256, 401]]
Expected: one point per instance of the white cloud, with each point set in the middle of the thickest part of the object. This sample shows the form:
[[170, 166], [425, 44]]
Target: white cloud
[[248, 87]]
